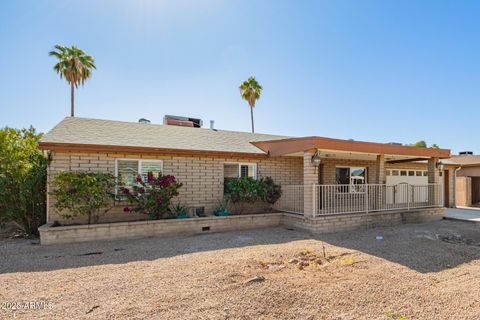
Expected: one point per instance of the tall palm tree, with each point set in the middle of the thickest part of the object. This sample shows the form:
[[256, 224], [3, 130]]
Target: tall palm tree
[[251, 91], [74, 65]]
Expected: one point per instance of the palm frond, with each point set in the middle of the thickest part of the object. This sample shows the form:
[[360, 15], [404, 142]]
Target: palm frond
[[73, 65], [250, 91]]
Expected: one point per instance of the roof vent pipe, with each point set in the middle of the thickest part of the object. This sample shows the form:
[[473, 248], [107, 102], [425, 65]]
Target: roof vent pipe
[[212, 124]]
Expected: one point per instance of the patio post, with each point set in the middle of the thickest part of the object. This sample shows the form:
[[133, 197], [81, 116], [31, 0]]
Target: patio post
[[379, 193], [433, 178], [380, 169], [310, 178]]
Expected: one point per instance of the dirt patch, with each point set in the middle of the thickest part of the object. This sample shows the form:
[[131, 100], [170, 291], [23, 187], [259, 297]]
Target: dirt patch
[[457, 239], [261, 274]]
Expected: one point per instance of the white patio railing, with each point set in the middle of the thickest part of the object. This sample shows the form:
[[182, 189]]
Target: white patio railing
[[291, 199], [339, 199]]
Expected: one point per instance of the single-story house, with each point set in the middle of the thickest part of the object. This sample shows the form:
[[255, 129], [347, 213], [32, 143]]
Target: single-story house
[[320, 177], [467, 188]]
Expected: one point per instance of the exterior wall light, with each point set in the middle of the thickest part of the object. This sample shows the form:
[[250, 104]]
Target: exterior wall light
[[439, 165], [316, 160]]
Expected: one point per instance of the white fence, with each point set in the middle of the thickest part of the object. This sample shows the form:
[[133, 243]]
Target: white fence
[[291, 199], [338, 199]]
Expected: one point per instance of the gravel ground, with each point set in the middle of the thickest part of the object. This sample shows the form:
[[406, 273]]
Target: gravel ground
[[423, 271]]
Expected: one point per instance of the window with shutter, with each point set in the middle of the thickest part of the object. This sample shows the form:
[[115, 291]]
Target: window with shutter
[[155, 167], [127, 170], [238, 170]]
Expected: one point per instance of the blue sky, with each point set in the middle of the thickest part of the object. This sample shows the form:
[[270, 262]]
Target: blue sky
[[368, 70]]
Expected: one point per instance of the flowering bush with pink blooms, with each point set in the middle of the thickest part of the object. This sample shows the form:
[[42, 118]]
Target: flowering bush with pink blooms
[[152, 197]]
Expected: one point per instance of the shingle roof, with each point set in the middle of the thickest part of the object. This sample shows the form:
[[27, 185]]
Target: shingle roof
[[83, 131], [463, 160]]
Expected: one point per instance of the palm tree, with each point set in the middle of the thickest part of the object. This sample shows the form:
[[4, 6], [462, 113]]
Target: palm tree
[[251, 91], [74, 65]]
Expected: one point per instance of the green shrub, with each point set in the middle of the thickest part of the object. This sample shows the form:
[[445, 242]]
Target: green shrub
[[152, 197], [247, 190], [89, 194], [244, 190], [23, 176], [271, 191]]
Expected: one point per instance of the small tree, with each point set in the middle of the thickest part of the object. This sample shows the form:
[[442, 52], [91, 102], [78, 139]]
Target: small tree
[[152, 197], [23, 175], [419, 144], [89, 194], [423, 144]]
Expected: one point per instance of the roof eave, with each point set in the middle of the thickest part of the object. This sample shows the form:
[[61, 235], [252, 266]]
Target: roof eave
[[59, 146], [287, 146]]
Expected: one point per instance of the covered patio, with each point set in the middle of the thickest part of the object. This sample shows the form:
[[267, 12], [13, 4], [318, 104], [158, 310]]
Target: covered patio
[[349, 177]]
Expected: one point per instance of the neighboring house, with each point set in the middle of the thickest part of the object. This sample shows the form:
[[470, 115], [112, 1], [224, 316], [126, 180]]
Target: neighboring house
[[467, 179], [319, 176]]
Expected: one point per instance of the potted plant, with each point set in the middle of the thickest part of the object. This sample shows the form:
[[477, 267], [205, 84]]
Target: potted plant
[[179, 211], [223, 208]]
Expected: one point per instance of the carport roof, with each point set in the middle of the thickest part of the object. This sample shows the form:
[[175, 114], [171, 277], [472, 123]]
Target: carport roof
[[289, 146]]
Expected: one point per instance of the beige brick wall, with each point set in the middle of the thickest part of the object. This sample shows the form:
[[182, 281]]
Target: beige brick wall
[[142, 229], [202, 176], [347, 222]]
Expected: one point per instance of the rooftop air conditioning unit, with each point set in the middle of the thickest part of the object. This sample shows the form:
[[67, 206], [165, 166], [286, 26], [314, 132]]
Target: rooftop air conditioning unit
[[182, 121]]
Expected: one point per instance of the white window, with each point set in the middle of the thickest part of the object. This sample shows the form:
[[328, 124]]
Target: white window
[[233, 171], [353, 178], [239, 170], [127, 170]]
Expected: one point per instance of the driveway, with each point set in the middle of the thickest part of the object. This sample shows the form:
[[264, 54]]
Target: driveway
[[417, 271], [464, 214]]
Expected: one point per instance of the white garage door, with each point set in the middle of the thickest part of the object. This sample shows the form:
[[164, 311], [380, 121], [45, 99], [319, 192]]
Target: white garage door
[[407, 176]]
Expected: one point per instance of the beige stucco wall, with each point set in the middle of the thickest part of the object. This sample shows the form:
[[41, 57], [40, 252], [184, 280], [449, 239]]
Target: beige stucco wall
[[469, 172], [464, 191], [202, 176]]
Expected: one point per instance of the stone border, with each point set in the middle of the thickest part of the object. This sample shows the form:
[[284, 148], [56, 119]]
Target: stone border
[[345, 222], [150, 228]]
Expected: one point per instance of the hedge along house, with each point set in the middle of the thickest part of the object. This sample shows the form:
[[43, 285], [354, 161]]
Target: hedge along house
[[321, 178]]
